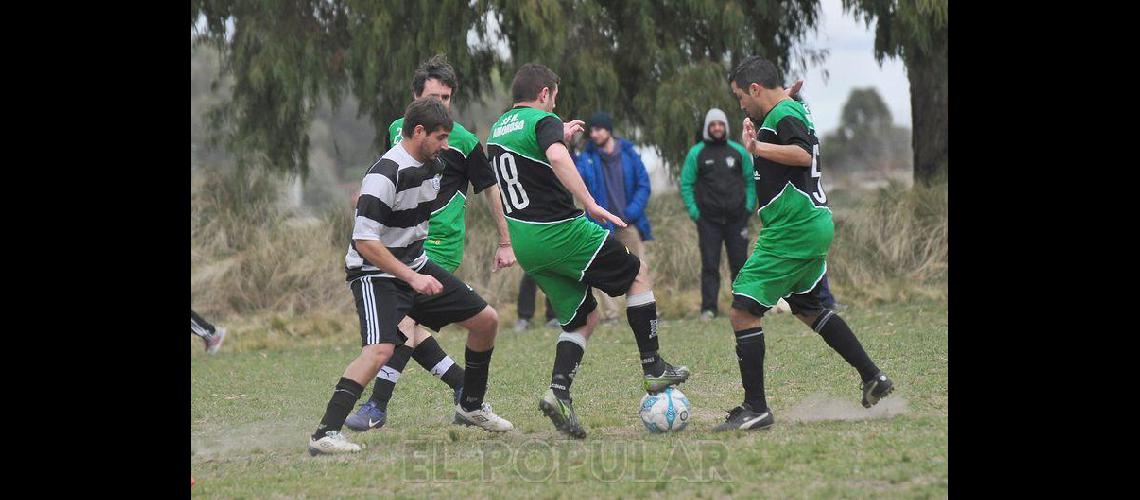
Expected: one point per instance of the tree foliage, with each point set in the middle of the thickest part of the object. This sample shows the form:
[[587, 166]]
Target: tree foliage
[[916, 31], [867, 138], [655, 66]]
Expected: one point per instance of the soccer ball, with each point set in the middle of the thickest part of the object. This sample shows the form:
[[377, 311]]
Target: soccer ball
[[666, 411]]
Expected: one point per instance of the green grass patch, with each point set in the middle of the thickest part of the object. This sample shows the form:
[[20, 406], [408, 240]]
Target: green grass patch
[[254, 404]]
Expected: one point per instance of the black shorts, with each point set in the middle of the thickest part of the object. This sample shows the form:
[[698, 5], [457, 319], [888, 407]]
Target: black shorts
[[809, 303], [612, 271], [382, 302]]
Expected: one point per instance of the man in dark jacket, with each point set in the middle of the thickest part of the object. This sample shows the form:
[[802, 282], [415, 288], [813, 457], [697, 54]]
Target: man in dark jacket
[[718, 191], [616, 178]]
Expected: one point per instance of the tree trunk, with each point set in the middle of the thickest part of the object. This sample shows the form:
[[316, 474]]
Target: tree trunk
[[930, 112]]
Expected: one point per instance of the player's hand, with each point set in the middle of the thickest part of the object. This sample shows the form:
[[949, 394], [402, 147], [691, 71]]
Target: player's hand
[[748, 137], [504, 258], [425, 284], [794, 89], [600, 214], [571, 128]]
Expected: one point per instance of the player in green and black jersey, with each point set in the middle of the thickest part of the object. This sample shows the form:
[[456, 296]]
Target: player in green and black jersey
[[564, 252], [790, 257]]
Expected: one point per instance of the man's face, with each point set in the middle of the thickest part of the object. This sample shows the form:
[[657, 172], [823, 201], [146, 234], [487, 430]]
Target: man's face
[[716, 130], [599, 135], [431, 144], [748, 101], [436, 88], [548, 106]]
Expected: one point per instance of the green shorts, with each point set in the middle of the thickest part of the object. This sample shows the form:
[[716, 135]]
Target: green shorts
[[766, 278], [567, 258], [446, 233]]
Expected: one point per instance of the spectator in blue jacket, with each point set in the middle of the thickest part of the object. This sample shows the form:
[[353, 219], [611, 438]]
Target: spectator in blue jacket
[[617, 179]]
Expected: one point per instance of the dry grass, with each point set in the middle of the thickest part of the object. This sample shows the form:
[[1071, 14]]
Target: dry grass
[[268, 272]]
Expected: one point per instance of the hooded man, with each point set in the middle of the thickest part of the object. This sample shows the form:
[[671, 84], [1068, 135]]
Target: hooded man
[[719, 193]]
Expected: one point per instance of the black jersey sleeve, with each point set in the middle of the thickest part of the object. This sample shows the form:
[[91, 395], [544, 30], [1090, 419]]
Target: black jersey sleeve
[[791, 130], [548, 131], [479, 169]]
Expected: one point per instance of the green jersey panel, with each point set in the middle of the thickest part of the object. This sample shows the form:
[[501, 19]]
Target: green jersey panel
[[556, 256], [795, 219], [464, 162], [447, 234]]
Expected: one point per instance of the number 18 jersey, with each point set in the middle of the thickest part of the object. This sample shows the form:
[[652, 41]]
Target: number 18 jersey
[[517, 149]]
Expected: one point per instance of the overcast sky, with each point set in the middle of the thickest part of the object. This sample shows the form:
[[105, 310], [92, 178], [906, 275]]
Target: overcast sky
[[851, 64]]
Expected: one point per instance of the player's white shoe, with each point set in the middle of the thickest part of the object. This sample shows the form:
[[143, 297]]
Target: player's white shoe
[[333, 443], [215, 341], [482, 417]]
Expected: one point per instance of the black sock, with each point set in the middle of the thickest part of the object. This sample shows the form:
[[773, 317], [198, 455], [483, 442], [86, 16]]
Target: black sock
[[750, 355], [567, 356], [840, 337], [340, 404], [201, 327], [429, 354], [389, 374], [475, 378], [642, 317]]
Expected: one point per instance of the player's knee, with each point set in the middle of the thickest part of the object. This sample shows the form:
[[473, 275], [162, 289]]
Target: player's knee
[[643, 274], [742, 319], [377, 354], [491, 316], [420, 334], [808, 319], [485, 322], [592, 320]]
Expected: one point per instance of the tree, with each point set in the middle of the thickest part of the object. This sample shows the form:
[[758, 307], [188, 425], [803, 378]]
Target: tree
[[916, 31], [287, 55], [656, 66], [866, 138]]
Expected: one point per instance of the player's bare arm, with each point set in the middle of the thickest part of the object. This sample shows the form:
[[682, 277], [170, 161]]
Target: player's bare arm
[[784, 154], [377, 254], [505, 255]]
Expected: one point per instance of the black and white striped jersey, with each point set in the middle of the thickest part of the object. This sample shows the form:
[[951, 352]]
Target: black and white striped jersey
[[394, 208]]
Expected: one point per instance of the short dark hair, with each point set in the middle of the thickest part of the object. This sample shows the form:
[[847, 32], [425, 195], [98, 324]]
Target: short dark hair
[[755, 69], [438, 68], [430, 113], [529, 81]]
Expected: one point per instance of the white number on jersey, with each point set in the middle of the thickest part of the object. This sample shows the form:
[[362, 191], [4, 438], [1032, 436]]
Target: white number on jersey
[[507, 171], [819, 195]]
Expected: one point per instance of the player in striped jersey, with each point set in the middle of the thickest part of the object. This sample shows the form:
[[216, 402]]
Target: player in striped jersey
[[464, 163], [391, 276]]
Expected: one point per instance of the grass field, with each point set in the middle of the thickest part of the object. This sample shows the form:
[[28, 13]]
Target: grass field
[[253, 409]]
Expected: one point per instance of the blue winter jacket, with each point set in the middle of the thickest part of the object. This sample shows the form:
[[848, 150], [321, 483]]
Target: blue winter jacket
[[590, 165]]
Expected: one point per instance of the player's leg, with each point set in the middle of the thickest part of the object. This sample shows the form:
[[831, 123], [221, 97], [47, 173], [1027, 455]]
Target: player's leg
[[756, 289], [525, 302], [429, 354], [557, 256], [373, 414], [708, 240], [212, 336], [736, 246], [807, 306], [458, 303], [614, 270], [380, 304], [578, 315]]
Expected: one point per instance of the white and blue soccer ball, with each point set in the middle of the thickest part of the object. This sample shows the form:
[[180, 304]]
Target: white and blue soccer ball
[[666, 411]]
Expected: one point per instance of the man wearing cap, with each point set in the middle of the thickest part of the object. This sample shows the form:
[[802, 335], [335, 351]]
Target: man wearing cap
[[617, 179], [718, 191]]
